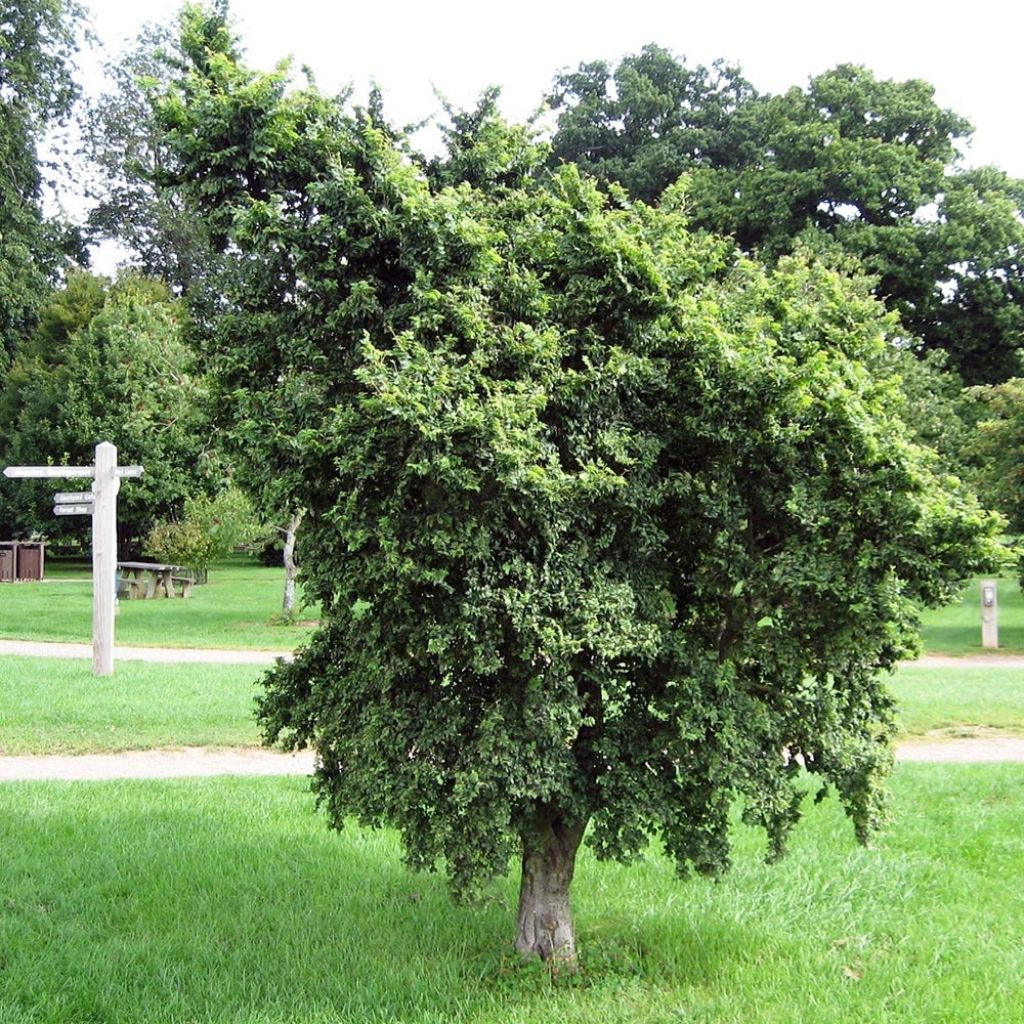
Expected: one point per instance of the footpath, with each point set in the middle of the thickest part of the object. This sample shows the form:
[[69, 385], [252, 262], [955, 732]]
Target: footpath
[[192, 762]]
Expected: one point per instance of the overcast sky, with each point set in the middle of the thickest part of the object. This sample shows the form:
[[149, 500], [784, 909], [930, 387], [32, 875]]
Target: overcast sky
[[971, 53]]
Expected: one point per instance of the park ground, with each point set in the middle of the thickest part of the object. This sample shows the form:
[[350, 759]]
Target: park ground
[[226, 899]]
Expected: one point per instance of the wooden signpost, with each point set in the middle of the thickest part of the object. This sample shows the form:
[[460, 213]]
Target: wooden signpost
[[101, 504]]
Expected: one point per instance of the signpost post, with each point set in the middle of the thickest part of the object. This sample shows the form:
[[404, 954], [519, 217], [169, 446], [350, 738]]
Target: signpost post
[[101, 504]]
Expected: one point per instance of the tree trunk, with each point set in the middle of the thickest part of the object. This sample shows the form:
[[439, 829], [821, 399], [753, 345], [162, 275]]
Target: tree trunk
[[544, 926], [288, 604]]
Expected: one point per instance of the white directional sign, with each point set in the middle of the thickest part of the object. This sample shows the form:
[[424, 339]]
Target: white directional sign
[[101, 504], [49, 472], [85, 509]]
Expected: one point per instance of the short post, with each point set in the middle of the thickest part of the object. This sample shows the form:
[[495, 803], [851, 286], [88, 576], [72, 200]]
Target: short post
[[989, 614]]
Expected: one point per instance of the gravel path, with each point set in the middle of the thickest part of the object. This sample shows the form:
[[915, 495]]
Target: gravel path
[[49, 649], [46, 649], [198, 761], [967, 661]]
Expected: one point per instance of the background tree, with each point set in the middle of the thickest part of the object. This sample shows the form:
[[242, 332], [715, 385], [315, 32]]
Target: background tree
[[162, 234], [998, 449], [109, 363], [851, 164], [608, 525], [37, 92], [649, 120], [211, 526]]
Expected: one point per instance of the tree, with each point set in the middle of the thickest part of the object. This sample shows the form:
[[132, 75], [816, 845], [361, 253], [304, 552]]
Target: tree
[[850, 165], [37, 92], [211, 526], [650, 120], [609, 526], [163, 235], [109, 363], [998, 448]]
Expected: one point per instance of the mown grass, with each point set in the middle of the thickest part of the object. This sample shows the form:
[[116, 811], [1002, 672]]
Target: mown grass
[[237, 608], [958, 702], [51, 705], [227, 900], [57, 706]]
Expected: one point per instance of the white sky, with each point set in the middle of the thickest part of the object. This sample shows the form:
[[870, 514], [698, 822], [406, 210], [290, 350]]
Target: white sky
[[971, 53]]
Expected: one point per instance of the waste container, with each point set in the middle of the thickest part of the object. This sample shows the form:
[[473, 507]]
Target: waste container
[[7, 562], [20, 560], [30, 561]]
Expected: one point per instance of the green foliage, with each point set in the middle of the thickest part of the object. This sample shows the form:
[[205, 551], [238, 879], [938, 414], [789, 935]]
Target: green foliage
[[107, 363], [608, 523], [212, 527], [163, 234], [851, 164], [649, 120], [181, 542], [37, 46], [998, 447]]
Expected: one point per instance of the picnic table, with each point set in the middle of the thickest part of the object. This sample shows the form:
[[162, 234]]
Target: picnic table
[[152, 579]]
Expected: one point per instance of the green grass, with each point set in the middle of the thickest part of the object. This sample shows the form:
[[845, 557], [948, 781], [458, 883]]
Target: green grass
[[235, 609], [56, 706], [957, 702], [51, 705], [227, 900], [956, 629]]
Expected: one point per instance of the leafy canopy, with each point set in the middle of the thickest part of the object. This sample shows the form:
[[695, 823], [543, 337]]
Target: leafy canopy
[[37, 92]]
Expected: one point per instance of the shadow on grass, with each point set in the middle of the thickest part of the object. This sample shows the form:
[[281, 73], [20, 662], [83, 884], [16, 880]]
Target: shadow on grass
[[229, 900]]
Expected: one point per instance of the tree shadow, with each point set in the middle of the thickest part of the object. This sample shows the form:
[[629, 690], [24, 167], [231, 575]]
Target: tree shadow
[[229, 900]]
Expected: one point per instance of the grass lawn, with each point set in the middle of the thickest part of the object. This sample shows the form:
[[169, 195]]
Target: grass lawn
[[228, 900], [53, 705], [958, 702], [57, 706], [235, 609]]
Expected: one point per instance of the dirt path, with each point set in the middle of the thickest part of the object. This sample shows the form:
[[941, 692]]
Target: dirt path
[[50, 649], [170, 655], [194, 762], [190, 762], [967, 661]]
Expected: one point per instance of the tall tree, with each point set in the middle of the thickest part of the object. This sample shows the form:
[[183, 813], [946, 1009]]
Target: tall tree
[[649, 120], [37, 92], [164, 236], [108, 363], [851, 165], [610, 527]]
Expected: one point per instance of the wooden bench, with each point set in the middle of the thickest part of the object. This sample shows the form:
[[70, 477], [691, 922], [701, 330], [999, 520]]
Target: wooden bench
[[152, 579]]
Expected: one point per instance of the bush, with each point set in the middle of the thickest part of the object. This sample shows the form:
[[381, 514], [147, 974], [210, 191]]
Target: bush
[[211, 528]]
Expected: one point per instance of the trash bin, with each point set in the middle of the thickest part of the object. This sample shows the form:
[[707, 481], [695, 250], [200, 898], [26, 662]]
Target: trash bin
[[7, 562], [20, 560], [30, 561]]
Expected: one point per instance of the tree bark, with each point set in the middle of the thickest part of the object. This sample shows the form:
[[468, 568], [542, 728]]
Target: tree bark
[[544, 926], [288, 603]]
